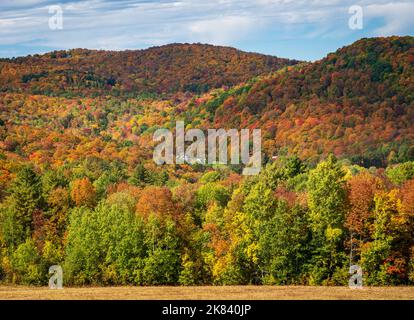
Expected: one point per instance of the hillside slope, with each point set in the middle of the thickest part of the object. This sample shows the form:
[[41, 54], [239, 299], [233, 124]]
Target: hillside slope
[[358, 102], [161, 70]]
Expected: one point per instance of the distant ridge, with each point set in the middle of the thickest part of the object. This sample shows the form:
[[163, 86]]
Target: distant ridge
[[166, 69]]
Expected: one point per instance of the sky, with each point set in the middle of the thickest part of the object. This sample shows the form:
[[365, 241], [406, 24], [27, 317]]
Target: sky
[[298, 29]]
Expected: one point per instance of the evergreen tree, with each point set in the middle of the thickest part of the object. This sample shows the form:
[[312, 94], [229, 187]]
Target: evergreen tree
[[26, 197], [140, 177]]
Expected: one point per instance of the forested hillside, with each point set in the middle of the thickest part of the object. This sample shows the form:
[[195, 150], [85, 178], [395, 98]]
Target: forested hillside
[[79, 188], [162, 70], [357, 102]]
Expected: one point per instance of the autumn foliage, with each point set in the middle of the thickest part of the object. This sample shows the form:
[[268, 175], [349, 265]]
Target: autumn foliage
[[79, 188]]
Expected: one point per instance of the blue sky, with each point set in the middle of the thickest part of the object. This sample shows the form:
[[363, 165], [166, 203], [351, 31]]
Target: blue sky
[[300, 29]]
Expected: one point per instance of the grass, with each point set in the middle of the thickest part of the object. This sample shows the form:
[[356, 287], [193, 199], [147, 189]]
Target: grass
[[208, 293]]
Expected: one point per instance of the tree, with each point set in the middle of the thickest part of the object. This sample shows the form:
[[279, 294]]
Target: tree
[[375, 255], [400, 173], [162, 264], [260, 203], [122, 236], [326, 196], [25, 197], [83, 193], [59, 203], [284, 245], [53, 179], [84, 253], [212, 176], [211, 193], [361, 192], [158, 201], [27, 265], [104, 245], [407, 194], [327, 205], [113, 175], [140, 176]]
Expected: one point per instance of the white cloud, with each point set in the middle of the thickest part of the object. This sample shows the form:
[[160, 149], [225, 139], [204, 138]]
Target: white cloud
[[222, 30], [110, 24], [397, 15]]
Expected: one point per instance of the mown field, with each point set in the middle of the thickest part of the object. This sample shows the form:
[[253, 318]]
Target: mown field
[[208, 293]]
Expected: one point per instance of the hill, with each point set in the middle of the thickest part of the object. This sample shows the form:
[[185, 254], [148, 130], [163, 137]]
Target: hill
[[159, 70], [357, 102], [79, 187]]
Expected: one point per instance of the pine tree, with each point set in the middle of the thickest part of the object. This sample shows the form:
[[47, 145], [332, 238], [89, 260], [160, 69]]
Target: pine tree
[[140, 176], [26, 196]]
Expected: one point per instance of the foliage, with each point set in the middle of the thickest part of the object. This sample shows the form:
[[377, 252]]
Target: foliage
[[78, 186], [400, 173], [165, 69]]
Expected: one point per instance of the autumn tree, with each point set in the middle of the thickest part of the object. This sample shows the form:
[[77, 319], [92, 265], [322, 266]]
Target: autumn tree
[[400, 173], [156, 200], [83, 193], [376, 255], [361, 192]]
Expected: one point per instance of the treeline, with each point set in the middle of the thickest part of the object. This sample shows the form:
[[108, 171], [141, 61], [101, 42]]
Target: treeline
[[292, 224]]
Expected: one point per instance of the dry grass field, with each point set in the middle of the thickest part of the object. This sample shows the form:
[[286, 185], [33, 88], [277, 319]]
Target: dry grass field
[[208, 293]]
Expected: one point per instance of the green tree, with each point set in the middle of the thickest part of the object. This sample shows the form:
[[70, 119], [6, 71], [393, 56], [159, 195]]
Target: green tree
[[162, 265], [84, 252], [212, 193], [212, 176], [326, 196], [327, 205], [52, 179], [377, 256], [105, 245], [283, 243], [27, 265], [140, 176], [25, 197], [400, 173]]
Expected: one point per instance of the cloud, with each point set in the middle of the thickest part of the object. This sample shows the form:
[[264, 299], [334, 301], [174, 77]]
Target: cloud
[[121, 24], [222, 30], [398, 17]]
